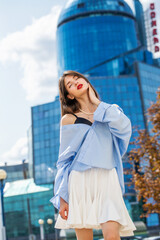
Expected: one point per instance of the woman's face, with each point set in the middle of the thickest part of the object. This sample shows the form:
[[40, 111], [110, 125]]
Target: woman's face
[[71, 84]]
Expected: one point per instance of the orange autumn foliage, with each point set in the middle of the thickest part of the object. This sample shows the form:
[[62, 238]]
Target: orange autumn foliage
[[146, 161]]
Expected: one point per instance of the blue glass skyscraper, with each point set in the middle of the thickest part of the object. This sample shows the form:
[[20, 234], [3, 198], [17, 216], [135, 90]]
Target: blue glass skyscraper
[[98, 39], [102, 28], [45, 141]]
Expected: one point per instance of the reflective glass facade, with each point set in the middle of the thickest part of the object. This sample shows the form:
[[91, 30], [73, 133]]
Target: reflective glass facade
[[45, 142], [150, 81], [25, 203], [16, 172], [75, 7], [30, 152], [104, 28], [140, 22]]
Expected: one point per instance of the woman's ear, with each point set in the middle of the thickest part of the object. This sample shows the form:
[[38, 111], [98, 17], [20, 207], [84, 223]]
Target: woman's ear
[[70, 97]]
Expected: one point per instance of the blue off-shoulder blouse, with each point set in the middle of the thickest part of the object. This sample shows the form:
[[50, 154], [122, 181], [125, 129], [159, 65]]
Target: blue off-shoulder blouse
[[100, 144]]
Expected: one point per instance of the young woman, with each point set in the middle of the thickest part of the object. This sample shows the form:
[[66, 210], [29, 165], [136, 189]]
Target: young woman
[[94, 136]]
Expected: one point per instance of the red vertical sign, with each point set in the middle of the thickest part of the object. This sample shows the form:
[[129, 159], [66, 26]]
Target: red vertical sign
[[154, 27]]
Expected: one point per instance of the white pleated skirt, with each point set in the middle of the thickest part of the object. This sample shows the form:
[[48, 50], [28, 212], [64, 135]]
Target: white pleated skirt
[[95, 197]]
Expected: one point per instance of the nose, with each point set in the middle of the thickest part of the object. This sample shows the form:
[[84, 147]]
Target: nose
[[77, 82]]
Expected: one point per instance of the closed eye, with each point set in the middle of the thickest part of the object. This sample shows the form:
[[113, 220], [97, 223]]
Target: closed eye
[[71, 84]]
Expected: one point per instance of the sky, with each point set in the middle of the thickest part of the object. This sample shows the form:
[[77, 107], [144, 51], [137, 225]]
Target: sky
[[28, 68]]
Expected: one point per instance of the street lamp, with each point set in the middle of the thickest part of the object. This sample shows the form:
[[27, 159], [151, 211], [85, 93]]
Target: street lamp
[[49, 221], [41, 222], [3, 176], [55, 219]]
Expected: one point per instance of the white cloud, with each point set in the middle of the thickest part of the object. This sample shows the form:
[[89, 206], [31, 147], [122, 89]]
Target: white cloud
[[145, 4], [17, 153], [35, 49]]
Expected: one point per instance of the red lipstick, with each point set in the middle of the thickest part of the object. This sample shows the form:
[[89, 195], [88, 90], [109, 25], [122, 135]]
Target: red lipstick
[[79, 86]]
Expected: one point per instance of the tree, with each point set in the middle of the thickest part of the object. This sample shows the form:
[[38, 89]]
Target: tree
[[146, 161]]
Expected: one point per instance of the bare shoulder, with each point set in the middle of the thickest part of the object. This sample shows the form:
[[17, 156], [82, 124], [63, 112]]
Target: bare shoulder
[[67, 119]]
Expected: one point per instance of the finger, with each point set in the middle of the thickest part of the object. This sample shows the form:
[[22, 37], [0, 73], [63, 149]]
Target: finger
[[64, 215], [61, 213]]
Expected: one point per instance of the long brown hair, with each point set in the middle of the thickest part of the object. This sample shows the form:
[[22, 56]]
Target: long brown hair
[[68, 105]]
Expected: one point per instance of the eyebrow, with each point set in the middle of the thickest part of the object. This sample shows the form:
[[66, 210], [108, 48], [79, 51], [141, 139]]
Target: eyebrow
[[69, 81]]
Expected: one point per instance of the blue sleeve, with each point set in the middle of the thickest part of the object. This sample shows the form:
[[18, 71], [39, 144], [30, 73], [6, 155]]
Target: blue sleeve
[[119, 124], [70, 142], [61, 185]]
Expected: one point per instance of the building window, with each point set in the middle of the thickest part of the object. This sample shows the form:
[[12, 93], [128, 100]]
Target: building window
[[80, 5], [41, 208], [121, 3]]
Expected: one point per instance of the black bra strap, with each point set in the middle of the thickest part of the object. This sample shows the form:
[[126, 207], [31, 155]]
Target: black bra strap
[[74, 115]]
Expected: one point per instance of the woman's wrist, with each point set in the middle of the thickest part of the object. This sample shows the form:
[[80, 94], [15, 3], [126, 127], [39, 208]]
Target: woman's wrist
[[62, 200]]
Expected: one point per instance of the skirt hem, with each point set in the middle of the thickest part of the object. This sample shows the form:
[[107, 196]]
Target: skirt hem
[[123, 233]]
